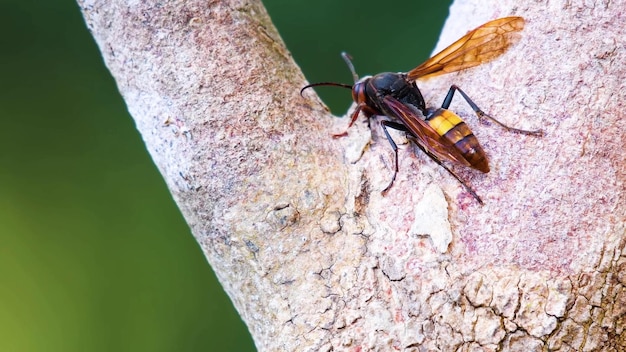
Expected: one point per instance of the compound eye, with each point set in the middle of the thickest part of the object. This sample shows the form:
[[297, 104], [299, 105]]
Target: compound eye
[[358, 93]]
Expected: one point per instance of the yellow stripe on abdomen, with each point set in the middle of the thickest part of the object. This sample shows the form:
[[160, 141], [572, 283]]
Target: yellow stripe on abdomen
[[444, 121]]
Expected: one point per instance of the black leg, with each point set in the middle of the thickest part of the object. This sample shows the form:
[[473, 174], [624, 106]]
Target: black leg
[[481, 114], [467, 188], [399, 127]]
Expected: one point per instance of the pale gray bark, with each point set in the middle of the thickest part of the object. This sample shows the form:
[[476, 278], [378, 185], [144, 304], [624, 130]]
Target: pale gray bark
[[293, 222]]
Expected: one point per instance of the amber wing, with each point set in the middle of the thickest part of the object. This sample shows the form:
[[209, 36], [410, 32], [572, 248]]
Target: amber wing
[[483, 44]]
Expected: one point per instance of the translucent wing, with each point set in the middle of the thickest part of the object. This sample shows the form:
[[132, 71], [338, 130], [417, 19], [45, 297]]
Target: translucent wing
[[482, 44], [425, 135]]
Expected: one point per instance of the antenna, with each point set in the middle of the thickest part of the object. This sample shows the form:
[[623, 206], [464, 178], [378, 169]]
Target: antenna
[[348, 59]]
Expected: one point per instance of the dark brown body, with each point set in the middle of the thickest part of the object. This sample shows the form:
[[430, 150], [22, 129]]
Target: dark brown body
[[439, 132]]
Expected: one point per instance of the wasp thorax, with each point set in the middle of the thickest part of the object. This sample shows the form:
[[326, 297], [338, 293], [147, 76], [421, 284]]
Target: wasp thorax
[[387, 83]]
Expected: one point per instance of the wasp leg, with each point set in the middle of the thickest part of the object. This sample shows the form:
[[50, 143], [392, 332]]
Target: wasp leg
[[481, 114], [353, 117], [401, 127], [465, 185]]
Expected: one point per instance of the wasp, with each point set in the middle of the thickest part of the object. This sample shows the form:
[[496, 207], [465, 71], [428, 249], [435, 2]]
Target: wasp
[[438, 132]]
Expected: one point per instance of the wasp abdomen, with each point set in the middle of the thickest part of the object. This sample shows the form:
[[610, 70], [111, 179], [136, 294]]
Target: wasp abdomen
[[450, 126]]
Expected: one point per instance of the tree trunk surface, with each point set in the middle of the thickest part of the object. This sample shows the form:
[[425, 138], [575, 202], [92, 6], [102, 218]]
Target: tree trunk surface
[[293, 222]]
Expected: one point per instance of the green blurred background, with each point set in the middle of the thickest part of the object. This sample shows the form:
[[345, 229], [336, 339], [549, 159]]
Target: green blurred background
[[94, 254]]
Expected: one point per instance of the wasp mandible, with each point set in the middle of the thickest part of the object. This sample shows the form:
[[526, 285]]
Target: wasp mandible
[[438, 132]]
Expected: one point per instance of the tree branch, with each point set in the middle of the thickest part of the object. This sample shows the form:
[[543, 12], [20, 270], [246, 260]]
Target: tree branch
[[293, 222]]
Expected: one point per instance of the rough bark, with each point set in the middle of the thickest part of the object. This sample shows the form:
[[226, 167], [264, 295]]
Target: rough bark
[[294, 224]]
